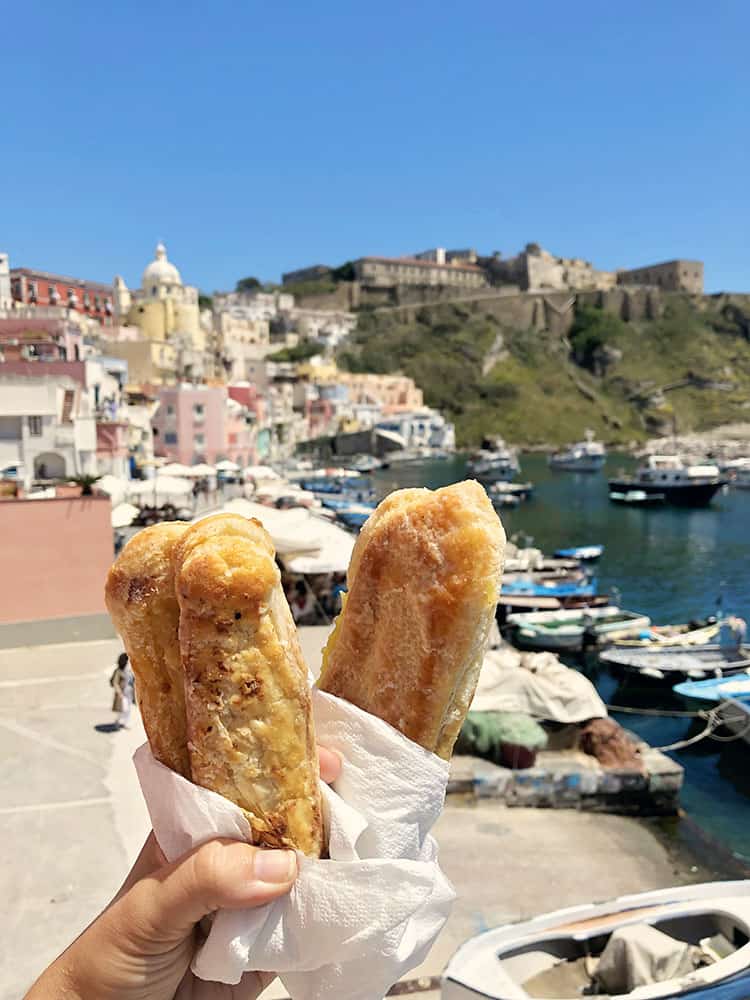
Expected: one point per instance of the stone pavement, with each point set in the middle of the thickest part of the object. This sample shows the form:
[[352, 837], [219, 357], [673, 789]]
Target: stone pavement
[[72, 820]]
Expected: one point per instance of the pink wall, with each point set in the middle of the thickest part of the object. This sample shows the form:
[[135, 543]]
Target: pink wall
[[37, 369], [55, 557], [212, 425]]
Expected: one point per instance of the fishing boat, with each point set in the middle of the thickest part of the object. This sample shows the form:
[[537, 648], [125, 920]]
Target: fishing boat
[[675, 635], [585, 553], [567, 629], [680, 484], [521, 490], [510, 603], [495, 462], [551, 587], [584, 456], [715, 690], [689, 941], [675, 662], [364, 464], [636, 498]]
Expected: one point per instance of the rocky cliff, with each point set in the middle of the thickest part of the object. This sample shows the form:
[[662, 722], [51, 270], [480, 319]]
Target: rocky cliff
[[539, 369]]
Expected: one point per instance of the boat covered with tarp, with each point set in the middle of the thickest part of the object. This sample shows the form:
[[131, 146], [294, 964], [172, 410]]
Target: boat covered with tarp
[[690, 941]]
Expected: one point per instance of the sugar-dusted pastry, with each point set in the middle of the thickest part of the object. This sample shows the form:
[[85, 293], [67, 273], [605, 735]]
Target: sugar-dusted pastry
[[423, 582], [248, 705], [141, 599]]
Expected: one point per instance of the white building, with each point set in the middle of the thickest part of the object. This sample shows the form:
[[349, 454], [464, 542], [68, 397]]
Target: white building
[[5, 297], [425, 428], [47, 428]]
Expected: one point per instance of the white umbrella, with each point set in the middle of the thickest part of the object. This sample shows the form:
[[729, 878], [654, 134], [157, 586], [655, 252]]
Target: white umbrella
[[123, 515], [161, 489], [202, 470], [226, 466], [260, 472], [114, 487], [174, 469]]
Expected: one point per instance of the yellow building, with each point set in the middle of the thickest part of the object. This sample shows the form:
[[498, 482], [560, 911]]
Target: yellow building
[[150, 362], [163, 308]]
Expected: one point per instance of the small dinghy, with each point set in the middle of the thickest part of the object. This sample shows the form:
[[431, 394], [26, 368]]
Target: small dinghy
[[691, 941]]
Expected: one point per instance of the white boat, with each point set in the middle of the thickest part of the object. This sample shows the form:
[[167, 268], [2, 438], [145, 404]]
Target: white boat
[[690, 941], [670, 477], [738, 472], [584, 456], [495, 462], [566, 629]]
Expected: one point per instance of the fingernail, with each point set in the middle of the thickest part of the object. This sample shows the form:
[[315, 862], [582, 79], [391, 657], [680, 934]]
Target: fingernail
[[275, 866]]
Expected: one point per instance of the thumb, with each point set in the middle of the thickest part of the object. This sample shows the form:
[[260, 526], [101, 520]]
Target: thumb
[[165, 906]]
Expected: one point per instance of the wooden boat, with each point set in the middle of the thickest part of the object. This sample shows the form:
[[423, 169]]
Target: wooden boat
[[690, 941], [715, 690], [583, 552], [567, 629], [674, 635], [524, 602], [672, 663], [551, 587]]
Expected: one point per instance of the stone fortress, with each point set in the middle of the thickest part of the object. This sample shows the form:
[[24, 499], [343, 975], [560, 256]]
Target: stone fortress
[[534, 269]]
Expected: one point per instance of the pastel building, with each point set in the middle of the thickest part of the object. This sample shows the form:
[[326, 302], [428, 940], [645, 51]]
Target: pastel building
[[199, 423]]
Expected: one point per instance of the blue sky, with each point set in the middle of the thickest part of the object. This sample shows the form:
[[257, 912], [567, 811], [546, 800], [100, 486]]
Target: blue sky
[[255, 138]]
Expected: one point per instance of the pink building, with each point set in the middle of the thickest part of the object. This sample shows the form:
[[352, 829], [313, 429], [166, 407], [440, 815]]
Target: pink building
[[202, 424], [51, 339], [56, 554]]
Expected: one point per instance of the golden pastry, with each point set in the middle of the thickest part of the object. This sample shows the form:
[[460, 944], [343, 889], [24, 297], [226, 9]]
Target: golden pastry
[[423, 584], [248, 705], [140, 597]]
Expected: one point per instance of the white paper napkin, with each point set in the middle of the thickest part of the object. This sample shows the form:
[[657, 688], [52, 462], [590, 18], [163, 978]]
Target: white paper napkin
[[355, 923]]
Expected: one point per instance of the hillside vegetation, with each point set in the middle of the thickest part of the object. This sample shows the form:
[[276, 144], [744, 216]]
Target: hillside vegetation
[[626, 381]]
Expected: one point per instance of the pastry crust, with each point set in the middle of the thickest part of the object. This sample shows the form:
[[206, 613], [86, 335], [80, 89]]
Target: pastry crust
[[423, 581], [140, 597], [248, 703]]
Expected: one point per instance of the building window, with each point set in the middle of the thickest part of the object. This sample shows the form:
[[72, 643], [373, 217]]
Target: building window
[[170, 437], [154, 289], [199, 440], [170, 408], [198, 411], [35, 426]]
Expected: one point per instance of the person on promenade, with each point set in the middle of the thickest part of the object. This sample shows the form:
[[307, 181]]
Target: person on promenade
[[123, 681], [141, 946]]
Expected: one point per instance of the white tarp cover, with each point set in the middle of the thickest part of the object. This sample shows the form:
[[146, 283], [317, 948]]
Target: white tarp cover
[[304, 543], [535, 684], [640, 955]]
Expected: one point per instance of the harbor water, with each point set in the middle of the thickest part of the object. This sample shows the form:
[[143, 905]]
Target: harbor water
[[671, 563]]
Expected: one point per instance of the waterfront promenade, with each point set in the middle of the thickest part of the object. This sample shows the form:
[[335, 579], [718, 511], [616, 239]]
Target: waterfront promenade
[[72, 821]]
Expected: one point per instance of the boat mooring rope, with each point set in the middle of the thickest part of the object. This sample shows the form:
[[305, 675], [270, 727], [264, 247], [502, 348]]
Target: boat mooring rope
[[713, 719]]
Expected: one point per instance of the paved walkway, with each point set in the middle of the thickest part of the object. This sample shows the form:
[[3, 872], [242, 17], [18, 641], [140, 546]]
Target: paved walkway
[[72, 820]]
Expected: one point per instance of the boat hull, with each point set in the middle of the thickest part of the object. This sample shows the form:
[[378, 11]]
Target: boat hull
[[688, 495], [589, 464]]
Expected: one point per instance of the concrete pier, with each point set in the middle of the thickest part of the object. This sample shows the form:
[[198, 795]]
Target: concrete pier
[[72, 821]]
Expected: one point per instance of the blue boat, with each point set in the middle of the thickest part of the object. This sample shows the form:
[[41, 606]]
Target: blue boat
[[690, 941], [352, 518], [716, 689], [582, 552], [550, 588]]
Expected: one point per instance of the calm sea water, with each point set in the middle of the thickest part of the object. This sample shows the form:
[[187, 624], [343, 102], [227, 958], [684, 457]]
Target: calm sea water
[[669, 563]]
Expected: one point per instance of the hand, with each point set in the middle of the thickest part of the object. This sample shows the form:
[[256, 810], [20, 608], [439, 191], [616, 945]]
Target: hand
[[141, 946]]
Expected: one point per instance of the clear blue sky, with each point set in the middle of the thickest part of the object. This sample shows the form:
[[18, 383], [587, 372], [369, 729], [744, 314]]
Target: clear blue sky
[[256, 137]]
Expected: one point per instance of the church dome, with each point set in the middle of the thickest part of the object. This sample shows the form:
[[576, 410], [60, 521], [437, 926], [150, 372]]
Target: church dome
[[160, 271]]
